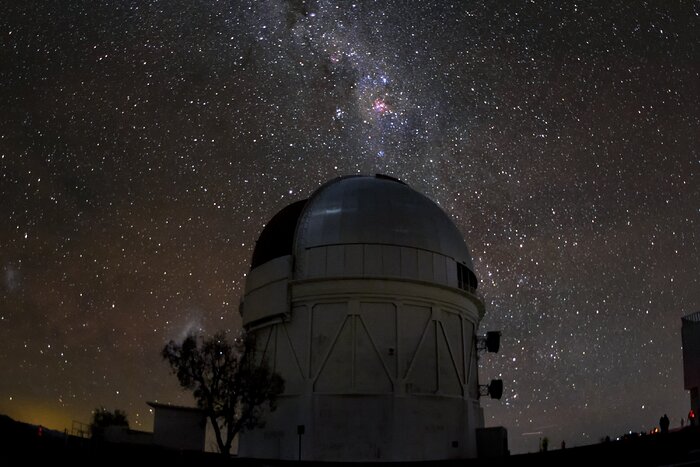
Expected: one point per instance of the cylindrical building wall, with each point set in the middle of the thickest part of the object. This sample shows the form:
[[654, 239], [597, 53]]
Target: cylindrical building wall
[[690, 333], [374, 370], [369, 315]]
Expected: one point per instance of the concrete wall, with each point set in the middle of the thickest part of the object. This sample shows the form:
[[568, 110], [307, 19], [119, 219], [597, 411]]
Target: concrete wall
[[375, 369]]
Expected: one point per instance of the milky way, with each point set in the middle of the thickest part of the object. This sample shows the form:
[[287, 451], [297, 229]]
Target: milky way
[[143, 145]]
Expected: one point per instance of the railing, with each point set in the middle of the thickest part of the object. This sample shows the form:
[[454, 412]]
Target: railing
[[80, 429]]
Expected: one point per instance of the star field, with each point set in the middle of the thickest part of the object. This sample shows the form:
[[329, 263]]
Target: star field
[[143, 145]]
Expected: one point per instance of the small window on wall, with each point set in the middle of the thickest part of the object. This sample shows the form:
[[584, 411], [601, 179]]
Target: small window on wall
[[465, 278]]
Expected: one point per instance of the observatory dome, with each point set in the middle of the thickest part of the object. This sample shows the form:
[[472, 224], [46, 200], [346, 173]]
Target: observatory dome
[[379, 210], [355, 210], [363, 298]]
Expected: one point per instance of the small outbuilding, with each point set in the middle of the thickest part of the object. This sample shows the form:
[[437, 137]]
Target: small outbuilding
[[177, 427]]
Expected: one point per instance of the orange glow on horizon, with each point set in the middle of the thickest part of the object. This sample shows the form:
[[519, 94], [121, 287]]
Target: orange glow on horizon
[[48, 416]]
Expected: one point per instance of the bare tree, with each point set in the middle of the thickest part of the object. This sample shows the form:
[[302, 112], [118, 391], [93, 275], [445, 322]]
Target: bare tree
[[231, 385]]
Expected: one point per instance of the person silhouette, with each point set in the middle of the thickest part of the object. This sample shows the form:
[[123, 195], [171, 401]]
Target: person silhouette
[[664, 423]]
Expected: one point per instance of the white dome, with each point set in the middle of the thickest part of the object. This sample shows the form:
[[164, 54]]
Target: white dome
[[377, 210], [368, 226]]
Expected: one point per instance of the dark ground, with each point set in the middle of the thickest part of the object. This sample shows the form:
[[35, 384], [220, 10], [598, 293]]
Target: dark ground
[[20, 443]]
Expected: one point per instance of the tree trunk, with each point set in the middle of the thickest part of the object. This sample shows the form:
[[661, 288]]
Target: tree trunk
[[223, 448]]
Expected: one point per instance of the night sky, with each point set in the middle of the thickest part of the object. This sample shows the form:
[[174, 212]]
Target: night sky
[[144, 144]]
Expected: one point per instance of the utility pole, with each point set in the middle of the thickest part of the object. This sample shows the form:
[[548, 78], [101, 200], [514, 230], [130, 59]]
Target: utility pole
[[300, 431]]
